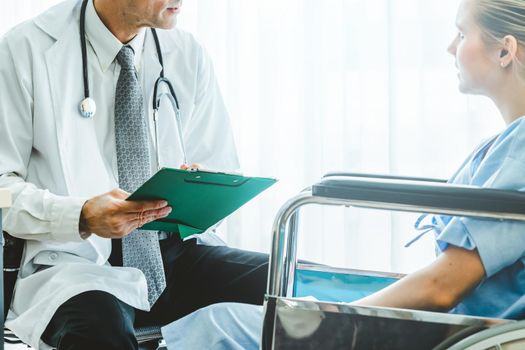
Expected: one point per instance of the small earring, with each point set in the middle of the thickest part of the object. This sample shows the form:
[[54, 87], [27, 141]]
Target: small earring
[[502, 65]]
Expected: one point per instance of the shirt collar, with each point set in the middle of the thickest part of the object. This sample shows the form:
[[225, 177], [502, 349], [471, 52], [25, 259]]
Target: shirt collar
[[104, 43]]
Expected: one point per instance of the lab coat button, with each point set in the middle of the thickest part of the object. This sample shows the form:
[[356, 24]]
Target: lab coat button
[[53, 256]]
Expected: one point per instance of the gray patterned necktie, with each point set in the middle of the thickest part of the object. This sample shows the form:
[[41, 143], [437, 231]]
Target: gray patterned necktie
[[140, 248]]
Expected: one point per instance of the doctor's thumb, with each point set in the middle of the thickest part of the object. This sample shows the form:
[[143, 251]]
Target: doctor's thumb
[[119, 193]]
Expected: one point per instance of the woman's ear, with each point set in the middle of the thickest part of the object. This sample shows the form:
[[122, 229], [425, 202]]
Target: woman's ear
[[508, 51]]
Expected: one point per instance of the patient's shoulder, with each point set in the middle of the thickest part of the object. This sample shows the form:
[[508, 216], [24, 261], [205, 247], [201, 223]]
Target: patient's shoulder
[[511, 142], [515, 128]]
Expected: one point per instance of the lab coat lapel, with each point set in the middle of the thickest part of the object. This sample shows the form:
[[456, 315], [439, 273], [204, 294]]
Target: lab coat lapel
[[62, 65], [76, 136], [57, 58], [55, 20]]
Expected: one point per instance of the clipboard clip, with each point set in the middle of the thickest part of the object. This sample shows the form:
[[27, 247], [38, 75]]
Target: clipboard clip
[[215, 178]]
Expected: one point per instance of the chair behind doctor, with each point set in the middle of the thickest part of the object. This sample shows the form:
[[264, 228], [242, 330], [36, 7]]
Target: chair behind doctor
[[148, 337]]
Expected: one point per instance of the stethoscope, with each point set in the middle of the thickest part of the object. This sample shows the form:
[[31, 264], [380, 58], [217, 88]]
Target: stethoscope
[[88, 107]]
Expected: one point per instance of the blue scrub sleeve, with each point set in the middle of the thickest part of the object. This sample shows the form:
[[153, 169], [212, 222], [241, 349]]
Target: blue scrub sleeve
[[499, 243]]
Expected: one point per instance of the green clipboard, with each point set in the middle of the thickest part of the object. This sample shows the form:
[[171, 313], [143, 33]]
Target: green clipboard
[[199, 199]]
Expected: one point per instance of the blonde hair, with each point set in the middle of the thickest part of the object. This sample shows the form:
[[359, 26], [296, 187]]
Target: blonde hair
[[499, 18]]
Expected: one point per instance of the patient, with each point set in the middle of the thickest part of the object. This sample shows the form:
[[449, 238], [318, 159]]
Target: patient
[[480, 268]]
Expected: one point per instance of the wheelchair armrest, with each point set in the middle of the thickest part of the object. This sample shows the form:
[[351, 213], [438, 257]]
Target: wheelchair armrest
[[382, 176], [401, 194], [380, 192]]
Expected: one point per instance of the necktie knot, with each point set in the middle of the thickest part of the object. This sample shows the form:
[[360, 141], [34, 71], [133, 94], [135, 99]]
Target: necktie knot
[[126, 57]]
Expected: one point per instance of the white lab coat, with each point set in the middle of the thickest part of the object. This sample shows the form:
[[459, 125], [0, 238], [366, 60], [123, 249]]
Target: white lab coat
[[52, 163]]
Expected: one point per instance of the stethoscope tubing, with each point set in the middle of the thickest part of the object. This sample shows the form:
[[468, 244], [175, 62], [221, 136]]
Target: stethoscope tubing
[[88, 105], [83, 47]]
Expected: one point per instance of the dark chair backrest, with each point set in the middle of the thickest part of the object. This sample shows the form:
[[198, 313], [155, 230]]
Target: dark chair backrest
[[13, 250]]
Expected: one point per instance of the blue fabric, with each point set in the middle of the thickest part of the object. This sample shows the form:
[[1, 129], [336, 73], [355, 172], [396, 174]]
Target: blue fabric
[[496, 163], [336, 286], [225, 326]]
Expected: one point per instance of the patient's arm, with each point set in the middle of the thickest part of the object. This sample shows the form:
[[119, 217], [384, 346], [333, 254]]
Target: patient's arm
[[437, 287]]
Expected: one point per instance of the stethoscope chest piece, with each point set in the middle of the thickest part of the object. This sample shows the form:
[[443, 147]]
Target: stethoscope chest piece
[[88, 107]]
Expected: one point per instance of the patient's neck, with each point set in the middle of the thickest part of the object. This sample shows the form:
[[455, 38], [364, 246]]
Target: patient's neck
[[510, 101]]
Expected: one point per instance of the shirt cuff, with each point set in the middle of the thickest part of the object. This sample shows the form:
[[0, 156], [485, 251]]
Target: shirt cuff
[[66, 216]]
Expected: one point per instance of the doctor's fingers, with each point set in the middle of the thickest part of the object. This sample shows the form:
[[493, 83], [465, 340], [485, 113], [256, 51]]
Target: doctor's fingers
[[122, 225], [142, 220], [148, 216], [194, 166], [135, 207]]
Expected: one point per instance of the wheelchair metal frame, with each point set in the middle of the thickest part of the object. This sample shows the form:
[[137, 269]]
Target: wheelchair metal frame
[[416, 195]]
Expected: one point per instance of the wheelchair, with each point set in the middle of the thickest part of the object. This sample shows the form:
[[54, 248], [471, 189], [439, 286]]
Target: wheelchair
[[291, 322]]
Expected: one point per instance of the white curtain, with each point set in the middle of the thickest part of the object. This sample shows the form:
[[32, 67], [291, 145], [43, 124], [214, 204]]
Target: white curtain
[[317, 86]]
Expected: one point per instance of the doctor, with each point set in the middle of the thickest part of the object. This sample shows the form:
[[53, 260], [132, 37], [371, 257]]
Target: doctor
[[80, 285]]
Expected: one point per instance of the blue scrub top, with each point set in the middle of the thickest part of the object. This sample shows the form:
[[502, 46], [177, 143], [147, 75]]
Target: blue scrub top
[[497, 163]]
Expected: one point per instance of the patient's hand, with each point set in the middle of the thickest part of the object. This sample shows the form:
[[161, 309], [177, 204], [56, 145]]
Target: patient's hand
[[111, 216]]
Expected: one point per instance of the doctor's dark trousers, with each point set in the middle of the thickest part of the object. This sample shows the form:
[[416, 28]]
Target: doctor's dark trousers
[[196, 276]]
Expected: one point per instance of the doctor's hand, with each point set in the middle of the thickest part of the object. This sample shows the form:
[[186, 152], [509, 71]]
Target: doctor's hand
[[194, 166], [111, 216]]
